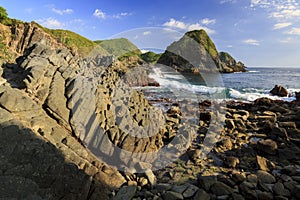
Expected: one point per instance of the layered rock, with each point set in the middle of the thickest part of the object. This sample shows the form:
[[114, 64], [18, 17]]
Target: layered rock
[[195, 52], [23, 35]]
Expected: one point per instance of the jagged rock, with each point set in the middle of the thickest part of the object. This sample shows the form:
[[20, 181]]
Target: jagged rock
[[279, 90], [264, 164]]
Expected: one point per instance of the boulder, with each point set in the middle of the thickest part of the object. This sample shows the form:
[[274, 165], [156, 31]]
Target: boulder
[[279, 90]]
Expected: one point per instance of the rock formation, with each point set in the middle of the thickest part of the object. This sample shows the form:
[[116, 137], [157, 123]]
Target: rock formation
[[279, 90], [195, 52]]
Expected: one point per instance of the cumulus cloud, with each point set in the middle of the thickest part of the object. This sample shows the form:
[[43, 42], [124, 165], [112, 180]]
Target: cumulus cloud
[[207, 21], [62, 12], [251, 42], [172, 23], [99, 14], [281, 25], [294, 31], [51, 23]]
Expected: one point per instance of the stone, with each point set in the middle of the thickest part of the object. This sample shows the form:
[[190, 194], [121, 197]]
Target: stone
[[231, 161], [287, 125], [252, 178], [190, 191], [238, 177], [265, 177], [264, 195], [220, 189], [150, 176], [170, 195], [126, 192], [279, 90], [267, 146], [264, 164], [201, 195], [278, 189], [206, 182], [163, 186], [297, 94], [236, 196]]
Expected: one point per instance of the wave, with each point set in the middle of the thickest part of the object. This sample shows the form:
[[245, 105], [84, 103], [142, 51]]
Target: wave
[[177, 84], [252, 96]]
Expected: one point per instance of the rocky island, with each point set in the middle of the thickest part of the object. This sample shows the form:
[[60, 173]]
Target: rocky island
[[58, 108], [196, 51]]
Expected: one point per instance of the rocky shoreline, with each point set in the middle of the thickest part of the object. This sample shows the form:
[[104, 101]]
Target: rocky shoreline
[[256, 157], [56, 108]]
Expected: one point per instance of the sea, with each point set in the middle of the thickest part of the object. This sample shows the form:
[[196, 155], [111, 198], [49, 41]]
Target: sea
[[242, 86]]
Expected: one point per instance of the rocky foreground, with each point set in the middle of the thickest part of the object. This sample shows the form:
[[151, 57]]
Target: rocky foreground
[[55, 110]]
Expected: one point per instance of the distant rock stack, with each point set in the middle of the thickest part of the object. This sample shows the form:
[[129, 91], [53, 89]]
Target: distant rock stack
[[195, 52], [280, 91]]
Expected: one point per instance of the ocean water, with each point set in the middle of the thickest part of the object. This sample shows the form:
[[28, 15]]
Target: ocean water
[[247, 86]]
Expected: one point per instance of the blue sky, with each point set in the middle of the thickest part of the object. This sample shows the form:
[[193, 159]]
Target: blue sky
[[257, 32]]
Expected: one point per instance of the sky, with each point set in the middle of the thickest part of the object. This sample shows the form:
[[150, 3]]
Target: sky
[[256, 32]]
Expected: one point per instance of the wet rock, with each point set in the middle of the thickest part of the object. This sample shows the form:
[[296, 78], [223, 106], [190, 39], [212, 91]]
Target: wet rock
[[267, 146], [279, 90]]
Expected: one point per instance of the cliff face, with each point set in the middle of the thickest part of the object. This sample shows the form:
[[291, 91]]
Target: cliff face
[[23, 35], [196, 52]]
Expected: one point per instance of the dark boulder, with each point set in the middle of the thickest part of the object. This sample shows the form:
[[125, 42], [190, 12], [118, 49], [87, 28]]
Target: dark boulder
[[297, 94], [279, 90]]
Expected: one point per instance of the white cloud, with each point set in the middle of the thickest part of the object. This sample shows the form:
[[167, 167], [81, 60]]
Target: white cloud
[[227, 1], [121, 15], [207, 21], [279, 9], [99, 14], [51, 23], [147, 33], [287, 40], [62, 12], [175, 24], [172, 23], [102, 15], [251, 42], [294, 31], [281, 25]]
